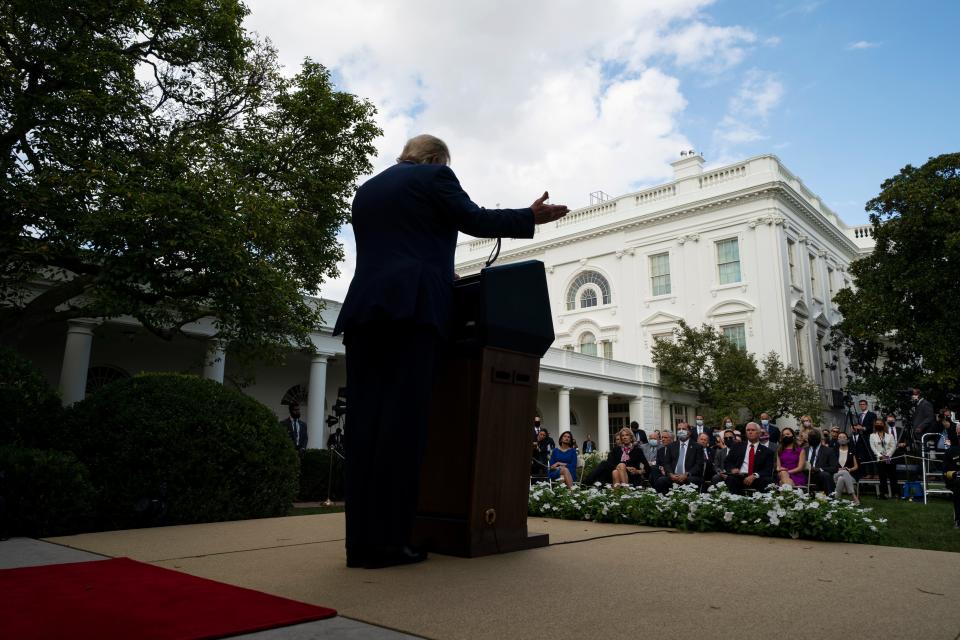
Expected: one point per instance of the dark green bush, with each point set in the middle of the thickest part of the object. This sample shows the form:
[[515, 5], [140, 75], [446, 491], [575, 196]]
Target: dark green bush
[[45, 492], [29, 408], [172, 449], [315, 474]]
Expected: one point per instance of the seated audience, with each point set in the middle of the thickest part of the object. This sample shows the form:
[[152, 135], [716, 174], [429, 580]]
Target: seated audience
[[630, 466], [589, 446], [834, 437], [720, 454], [541, 454], [822, 463], [748, 465], [765, 441], [706, 463], [651, 447], [846, 467], [680, 462], [563, 461], [791, 460]]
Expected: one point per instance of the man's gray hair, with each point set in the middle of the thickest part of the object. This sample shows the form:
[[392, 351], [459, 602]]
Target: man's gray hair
[[425, 149]]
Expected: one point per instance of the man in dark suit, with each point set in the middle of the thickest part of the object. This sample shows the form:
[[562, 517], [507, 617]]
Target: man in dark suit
[[394, 319], [824, 462], [296, 428], [767, 425], [866, 417], [749, 465], [923, 420], [682, 462], [699, 428]]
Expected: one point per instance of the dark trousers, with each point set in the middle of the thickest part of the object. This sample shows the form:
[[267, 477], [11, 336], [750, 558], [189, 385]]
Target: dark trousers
[[390, 372], [821, 480], [735, 484], [954, 485], [888, 476]]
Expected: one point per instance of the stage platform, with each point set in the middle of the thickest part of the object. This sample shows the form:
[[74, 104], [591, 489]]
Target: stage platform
[[593, 581]]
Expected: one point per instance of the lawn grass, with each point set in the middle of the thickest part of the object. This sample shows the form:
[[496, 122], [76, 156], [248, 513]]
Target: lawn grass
[[915, 525]]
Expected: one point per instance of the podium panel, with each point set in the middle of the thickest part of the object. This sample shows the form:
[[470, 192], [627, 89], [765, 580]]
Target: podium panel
[[475, 475]]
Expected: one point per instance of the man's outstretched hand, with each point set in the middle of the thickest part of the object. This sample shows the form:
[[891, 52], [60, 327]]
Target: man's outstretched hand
[[543, 213]]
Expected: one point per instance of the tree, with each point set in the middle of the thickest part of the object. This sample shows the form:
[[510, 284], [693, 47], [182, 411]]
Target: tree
[[899, 326], [157, 164], [726, 379]]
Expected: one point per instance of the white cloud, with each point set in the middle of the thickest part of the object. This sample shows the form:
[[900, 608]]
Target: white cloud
[[748, 110], [559, 95], [862, 44]]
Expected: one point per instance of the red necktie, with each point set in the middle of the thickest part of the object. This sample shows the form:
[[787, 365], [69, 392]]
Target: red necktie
[[750, 462]]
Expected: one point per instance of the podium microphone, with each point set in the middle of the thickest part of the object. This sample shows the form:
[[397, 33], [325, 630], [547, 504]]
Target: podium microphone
[[494, 254]]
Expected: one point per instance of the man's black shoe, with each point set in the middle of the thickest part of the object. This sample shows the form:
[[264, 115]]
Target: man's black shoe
[[394, 557]]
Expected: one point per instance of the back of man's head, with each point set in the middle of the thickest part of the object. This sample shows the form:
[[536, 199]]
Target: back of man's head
[[425, 149]]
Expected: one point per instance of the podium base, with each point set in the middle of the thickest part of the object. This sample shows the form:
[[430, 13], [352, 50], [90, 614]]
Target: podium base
[[453, 537]]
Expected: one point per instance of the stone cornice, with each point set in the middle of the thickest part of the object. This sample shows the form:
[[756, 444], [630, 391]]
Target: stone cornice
[[776, 189]]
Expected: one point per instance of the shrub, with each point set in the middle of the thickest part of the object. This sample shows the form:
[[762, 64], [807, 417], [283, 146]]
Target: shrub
[[29, 405], [315, 473], [171, 449], [45, 492]]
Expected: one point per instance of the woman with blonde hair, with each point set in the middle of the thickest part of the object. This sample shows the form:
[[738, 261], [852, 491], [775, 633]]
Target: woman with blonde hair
[[629, 463]]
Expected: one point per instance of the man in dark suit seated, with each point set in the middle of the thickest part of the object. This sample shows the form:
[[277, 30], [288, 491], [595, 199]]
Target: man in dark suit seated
[[749, 465], [681, 462], [539, 462], [394, 319], [707, 453], [824, 463]]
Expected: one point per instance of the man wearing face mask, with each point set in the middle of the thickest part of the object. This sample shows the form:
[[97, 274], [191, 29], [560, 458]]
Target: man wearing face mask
[[768, 427], [720, 455], [860, 443], [700, 428], [898, 434], [651, 447], [765, 441], [823, 463], [681, 462]]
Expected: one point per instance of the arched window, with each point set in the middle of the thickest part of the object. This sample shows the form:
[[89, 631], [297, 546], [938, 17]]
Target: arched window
[[295, 394], [100, 376], [588, 344], [588, 281]]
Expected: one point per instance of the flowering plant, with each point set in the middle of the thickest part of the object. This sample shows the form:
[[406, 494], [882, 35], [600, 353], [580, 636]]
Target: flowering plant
[[782, 512]]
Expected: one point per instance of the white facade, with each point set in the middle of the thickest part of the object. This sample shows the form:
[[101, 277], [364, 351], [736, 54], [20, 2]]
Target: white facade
[[746, 248]]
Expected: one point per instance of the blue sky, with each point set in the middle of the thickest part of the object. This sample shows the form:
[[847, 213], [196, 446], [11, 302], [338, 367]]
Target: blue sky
[[851, 115], [576, 96]]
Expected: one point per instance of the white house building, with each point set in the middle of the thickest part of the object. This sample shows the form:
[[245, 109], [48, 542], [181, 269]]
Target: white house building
[[747, 248]]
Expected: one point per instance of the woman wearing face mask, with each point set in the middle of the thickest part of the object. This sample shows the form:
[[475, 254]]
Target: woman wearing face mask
[[883, 447], [790, 460], [727, 422], [843, 478], [806, 424]]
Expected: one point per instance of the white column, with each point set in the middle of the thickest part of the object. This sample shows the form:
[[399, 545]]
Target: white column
[[316, 403], [215, 362], [603, 422], [76, 361], [563, 410], [636, 412]]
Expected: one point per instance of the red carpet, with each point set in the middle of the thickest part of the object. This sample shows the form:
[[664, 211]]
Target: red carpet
[[125, 599]]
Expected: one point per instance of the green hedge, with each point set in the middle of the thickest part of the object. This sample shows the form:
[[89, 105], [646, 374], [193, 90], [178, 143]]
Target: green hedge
[[315, 473], [45, 493], [173, 449], [29, 408]]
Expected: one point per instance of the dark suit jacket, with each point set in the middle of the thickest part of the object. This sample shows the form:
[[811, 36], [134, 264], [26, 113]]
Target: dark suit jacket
[[867, 420], [707, 430], [637, 459], [764, 461], [692, 465], [827, 459], [300, 444], [923, 417], [406, 221]]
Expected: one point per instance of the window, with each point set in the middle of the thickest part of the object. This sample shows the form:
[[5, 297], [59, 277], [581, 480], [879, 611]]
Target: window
[[296, 394], [607, 349], [588, 344], [660, 274], [798, 336], [736, 334], [728, 260], [813, 275], [588, 278], [100, 376], [792, 260], [666, 337], [588, 298], [823, 360], [830, 281]]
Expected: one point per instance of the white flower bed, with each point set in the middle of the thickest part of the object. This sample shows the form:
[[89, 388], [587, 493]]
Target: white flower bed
[[783, 512]]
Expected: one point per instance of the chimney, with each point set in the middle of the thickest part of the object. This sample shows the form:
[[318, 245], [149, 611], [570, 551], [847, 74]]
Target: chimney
[[690, 164]]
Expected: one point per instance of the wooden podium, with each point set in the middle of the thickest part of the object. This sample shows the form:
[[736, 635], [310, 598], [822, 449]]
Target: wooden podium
[[475, 476]]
